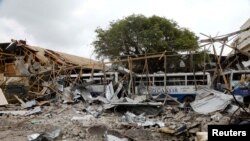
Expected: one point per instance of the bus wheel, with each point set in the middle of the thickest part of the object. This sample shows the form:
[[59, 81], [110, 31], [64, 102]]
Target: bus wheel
[[188, 99]]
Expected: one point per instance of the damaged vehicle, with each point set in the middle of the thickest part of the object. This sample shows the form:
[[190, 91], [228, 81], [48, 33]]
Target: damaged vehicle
[[238, 81], [181, 86]]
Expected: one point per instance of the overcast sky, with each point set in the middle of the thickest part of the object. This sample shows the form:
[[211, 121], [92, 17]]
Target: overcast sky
[[68, 25]]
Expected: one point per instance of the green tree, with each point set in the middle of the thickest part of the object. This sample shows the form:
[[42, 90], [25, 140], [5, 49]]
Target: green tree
[[137, 34]]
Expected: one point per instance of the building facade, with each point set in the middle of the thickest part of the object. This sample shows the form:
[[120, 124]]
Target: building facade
[[244, 37]]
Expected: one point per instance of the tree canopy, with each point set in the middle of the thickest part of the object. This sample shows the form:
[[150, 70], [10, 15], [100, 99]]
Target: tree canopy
[[137, 34]]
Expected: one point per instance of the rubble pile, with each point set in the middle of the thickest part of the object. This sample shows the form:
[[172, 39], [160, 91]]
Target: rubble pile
[[46, 95], [88, 119]]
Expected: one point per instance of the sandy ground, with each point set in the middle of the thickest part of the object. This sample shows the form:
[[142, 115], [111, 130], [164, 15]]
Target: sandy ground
[[75, 124]]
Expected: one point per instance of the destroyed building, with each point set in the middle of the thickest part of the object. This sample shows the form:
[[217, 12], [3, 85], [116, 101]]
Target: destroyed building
[[242, 42], [243, 39], [34, 71], [48, 95]]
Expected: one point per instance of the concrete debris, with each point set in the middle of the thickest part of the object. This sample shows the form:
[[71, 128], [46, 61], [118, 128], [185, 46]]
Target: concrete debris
[[109, 91], [202, 136], [167, 130], [23, 112], [48, 136], [59, 96], [114, 138], [60, 87], [33, 137], [232, 109], [84, 118], [246, 63], [67, 95], [34, 111], [14, 112], [95, 110], [22, 67], [217, 116], [140, 120], [133, 103], [53, 134], [29, 104]]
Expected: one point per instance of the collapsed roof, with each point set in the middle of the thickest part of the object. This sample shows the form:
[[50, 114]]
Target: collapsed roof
[[44, 56]]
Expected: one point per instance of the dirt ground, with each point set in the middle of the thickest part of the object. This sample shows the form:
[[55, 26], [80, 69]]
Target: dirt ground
[[75, 124]]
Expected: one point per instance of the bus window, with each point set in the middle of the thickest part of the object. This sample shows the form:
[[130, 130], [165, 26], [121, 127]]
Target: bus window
[[175, 80], [236, 76], [198, 80], [159, 80], [98, 78], [147, 81]]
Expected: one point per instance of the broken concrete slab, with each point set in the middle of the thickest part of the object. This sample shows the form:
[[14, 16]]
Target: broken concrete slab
[[138, 104], [34, 111], [47, 136], [33, 137], [66, 97], [53, 134], [109, 93], [95, 110], [114, 138], [29, 104], [216, 116], [140, 120], [84, 118], [140, 98], [202, 136], [14, 112]]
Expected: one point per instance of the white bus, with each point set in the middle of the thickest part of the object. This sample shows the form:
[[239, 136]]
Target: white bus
[[238, 81], [181, 86]]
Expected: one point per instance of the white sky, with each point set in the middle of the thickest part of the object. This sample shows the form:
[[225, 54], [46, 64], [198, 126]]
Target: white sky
[[68, 25]]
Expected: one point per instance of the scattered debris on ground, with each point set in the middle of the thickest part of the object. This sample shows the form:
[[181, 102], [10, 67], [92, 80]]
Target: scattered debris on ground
[[46, 95]]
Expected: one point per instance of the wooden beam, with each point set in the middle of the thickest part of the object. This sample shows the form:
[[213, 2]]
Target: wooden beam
[[232, 47], [7, 54], [104, 73], [221, 70], [222, 37], [143, 57]]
